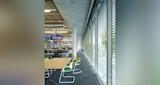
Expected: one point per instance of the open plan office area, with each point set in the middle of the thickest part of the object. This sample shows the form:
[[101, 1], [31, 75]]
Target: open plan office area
[[102, 42], [75, 38]]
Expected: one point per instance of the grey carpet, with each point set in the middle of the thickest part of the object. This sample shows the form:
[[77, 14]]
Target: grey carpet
[[87, 77]]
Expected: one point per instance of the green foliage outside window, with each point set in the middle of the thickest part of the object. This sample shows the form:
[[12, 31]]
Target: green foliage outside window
[[104, 41]]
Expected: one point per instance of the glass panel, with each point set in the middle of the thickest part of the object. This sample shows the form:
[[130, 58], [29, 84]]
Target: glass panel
[[93, 43], [102, 43], [87, 46]]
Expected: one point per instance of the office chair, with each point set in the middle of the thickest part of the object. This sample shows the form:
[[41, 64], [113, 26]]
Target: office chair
[[77, 62], [68, 68]]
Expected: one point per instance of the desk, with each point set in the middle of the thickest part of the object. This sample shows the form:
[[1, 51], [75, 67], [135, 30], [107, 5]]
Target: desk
[[49, 53], [57, 63]]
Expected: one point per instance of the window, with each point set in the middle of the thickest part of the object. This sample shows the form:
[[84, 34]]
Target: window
[[102, 43]]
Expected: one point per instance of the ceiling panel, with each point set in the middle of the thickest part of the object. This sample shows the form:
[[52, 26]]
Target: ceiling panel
[[53, 17], [70, 13], [74, 13]]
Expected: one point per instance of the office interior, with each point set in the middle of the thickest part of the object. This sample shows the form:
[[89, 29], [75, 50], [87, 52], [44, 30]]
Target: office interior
[[137, 43], [78, 29]]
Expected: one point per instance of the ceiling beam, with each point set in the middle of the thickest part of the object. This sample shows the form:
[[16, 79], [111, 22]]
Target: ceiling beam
[[52, 13], [54, 21], [48, 0], [54, 24]]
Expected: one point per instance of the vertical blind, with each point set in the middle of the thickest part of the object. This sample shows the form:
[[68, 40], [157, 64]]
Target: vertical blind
[[113, 42]]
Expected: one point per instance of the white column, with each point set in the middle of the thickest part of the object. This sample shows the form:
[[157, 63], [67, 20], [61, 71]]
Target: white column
[[74, 44]]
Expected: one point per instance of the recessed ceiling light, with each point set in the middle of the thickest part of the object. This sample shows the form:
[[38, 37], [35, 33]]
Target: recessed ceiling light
[[49, 10], [50, 32]]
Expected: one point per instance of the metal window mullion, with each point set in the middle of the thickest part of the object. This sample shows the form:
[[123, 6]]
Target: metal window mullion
[[91, 27], [96, 39]]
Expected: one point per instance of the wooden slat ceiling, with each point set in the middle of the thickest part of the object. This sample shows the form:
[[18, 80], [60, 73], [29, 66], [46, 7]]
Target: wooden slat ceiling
[[52, 17], [54, 20]]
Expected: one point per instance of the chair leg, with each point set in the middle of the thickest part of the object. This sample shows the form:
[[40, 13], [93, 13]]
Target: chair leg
[[77, 63], [47, 73], [53, 82], [54, 70], [76, 71], [50, 71], [62, 75]]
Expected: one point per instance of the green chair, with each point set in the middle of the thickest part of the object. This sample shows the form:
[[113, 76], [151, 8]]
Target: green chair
[[46, 59], [77, 62], [68, 68]]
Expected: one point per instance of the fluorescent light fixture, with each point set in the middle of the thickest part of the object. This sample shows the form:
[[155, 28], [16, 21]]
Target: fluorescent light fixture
[[49, 10], [48, 31], [62, 31]]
